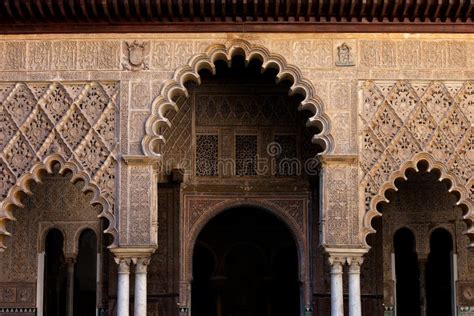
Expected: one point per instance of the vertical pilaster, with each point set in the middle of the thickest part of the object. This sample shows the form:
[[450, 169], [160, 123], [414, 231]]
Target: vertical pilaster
[[337, 295], [354, 263], [140, 304], [123, 295], [70, 262]]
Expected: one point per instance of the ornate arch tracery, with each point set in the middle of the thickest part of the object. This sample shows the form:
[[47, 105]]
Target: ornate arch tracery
[[405, 122], [174, 88], [70, 124]]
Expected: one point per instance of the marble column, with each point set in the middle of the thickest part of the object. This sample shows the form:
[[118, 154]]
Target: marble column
[[337, 295], [140, 286], [123, 295], [422, 271], [355, 308], [70, 262]]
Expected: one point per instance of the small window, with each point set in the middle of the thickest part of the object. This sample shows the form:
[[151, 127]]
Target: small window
[[246, 155], [287, 157], [207, 150]]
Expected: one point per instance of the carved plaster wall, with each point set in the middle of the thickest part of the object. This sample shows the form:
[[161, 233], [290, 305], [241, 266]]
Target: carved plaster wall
[[70, 123], [199, 209], [437, 209], [404, 122], [190, 72], [66, 209]]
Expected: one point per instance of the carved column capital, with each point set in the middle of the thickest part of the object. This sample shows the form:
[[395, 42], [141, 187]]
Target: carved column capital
[[354, 263], [70, 259], [141, 264], [123, 265], [336, 262]]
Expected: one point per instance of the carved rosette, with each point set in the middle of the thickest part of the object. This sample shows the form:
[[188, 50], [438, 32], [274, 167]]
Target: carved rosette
[[72, 124], [405, 122]]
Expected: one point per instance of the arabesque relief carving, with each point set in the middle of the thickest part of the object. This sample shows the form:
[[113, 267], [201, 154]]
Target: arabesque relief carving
[[72, 124], [172, 89], [405, 122]]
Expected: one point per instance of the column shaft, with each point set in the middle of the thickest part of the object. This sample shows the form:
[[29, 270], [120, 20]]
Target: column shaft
[[123, 295], [140, 286], [337, 296], [70, 286], [355, 308]]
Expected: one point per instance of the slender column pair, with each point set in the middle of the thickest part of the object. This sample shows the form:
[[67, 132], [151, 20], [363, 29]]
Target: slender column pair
[[337, 295], [123, 296], [70, 262]]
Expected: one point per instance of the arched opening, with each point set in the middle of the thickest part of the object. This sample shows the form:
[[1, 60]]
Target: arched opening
[[412, 270], [439, 274], [55, 275], [253, 269], [407, 273], [85, 274]]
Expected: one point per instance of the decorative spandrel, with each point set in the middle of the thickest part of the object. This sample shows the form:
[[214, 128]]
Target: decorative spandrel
[[72, 123], [404, 121]]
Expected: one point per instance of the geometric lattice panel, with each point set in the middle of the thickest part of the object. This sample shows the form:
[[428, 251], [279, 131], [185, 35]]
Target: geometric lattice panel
[[73, 120], [402, 118]]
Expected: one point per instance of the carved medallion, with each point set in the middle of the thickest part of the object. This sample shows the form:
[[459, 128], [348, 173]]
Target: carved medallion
[[136, 55]]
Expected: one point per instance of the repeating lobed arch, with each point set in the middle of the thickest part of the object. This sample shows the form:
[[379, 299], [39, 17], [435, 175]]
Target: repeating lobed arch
[[456, 187], [23, 183], [175, 88]]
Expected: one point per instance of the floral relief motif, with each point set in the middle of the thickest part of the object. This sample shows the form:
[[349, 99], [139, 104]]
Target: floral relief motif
[[415, 117], [72, 121]]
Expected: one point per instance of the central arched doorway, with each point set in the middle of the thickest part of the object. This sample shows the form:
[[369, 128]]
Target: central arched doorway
[[245, 263]]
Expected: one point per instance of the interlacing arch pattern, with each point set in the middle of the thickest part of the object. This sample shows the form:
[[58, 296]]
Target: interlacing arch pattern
[[405, 122], [175, 88], [48, 123]]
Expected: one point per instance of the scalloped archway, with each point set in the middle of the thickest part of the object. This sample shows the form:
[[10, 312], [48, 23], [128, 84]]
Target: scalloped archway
[[464, 193], [22, 185], [175, 88]]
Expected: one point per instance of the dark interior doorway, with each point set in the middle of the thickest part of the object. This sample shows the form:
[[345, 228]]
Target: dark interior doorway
[[85, 275], [439, 274], [245, 263], [407, 273], [55, 275]]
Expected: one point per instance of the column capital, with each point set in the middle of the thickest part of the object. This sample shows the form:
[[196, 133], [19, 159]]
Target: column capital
[[70, 259], [141, 264], [123, 264], [336, 262], [355, 263]]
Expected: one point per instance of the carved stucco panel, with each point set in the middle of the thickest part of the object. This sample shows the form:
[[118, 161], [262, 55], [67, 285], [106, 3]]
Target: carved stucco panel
[[198, 209], [70, 123], [403, 120], [138, 201], [339, 201]]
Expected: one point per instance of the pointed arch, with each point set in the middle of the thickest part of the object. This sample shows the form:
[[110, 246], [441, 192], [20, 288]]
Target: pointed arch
[[464, 194], [174, 88], [23, 184]]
